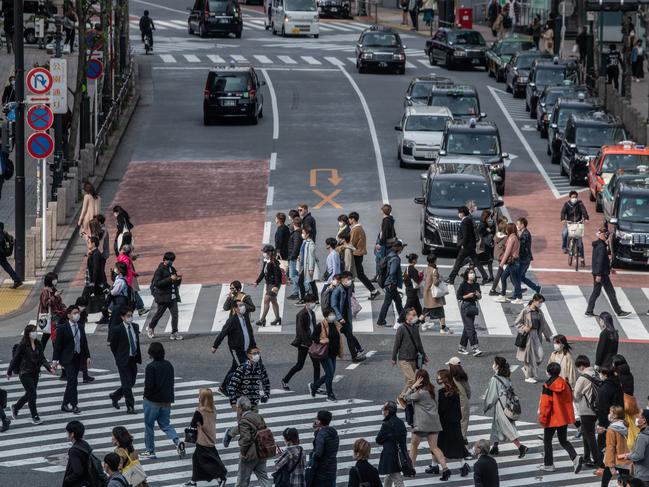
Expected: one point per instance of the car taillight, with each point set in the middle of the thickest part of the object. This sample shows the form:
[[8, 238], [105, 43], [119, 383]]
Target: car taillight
[[206, 14], [206, 94], [251, 91]]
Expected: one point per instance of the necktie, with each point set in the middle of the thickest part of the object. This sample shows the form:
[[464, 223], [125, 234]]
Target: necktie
[[77, 338], [131, 340]]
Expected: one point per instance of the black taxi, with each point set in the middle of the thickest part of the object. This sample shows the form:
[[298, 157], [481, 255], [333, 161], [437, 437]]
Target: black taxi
[[380, 48]]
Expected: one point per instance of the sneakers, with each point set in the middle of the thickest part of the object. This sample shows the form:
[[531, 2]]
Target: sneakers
[[311, 389], [190, 482], [547, 468], [147, 455], [14, 412], [36, 420], [143, 311], [176, 336], [589, 313], [522, 450], [493, 292], [17, 284], [285, 386], [446, 331], [531, 380], [578, 463], [462, 350], [88, 379], [5, 425], [331, 398], [227, 438], [150, 333], [494, 450], [517, 301], [293, 297], [622, 314], [501, 299], [220, 390], [396, 326], [476, 352], [180, 448]]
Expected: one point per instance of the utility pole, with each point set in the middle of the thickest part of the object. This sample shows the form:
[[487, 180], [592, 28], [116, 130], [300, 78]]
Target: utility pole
[[19, 61], [57, 165]]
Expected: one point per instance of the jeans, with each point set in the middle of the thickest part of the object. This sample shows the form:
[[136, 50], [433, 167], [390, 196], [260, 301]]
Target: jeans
[[606, 283], [522, 271], [352, 341], [329, 367], [30, 383], [153, 413], [562, 435], [127, 377], [391, 295], [512, 271], [564, 242], [313, 288], [258, 467], [302, 354], [360, 273], [591, 450], [71, 374], [293, 276], [162, 307], [469, 334], [4, 263], [139, 304]]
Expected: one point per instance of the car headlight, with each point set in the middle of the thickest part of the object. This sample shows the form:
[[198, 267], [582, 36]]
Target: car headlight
[[409, 143], [624, 237], [367, 55], [431, 220], [459, 53], [287, 18], [498, 166], [398, 56], [522, 79]]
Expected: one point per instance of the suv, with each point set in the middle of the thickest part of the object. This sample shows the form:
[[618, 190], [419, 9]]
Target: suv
[[563, 108], [456, 47], [215, 17], [479, 140], [380, 48], [335, 8], [233, 91], [585, 134], [419, 88], [547, 100], [543, 74], [462, 100], [517, 71], [420, 134], [448, 186]]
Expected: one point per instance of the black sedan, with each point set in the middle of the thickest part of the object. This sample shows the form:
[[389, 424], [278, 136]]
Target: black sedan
[[380, 48], [517, 71], [501, 51], [335, 8], [456, 47]]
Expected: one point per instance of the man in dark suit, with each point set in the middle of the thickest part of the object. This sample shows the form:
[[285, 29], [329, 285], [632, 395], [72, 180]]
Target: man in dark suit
[[125, 345], [485, 469], [165, 287], [71, 350], [305, 322], [240, 339], [466, 243]]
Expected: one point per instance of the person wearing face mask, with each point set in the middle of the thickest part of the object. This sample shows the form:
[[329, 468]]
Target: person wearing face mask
[[235, 297], [433, 306], [124, 226], [325, 451], [96, 285], [50, 307], [468, 293], [610, 394], [562, 356], [639, 455], [343, 227], [408, 352], [333, 261], [27, 362], [616, 447], [341, 302], [271, 274], [308, 222], [240, 337], [282, 234], [305, 323], [306, 266], [392, 437], [623, 373], [250, 380], [461, 380], [291, 460], [608, 342], [531, 323], [9, 92], [450, 440], [126, 257], [585, 408], [510, 263], [76, 470], [573, 211], [413, 279], [294, 246], [111, 467], [165, 287], [393, 281], [387, 236], [120, 296], [485, 469], [125, 345], [327, 332]]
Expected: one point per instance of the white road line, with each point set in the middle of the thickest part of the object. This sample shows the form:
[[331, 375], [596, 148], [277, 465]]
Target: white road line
[[335, 61], [184, 12], [191, 58], [352, 60], [364, 322], [375, 139], [352, 366], [273, 161], [310, 60], [577, 304], [425, 62], [270, 195], [524, 142], [179, 22], [263, 59], [255, 26], [370, 353], [216, 58], [287, 59], [167, 58], [494, 317], [221, 316], [238, 58], [169, 25], [273, 102], [549, 320], [452, 310], [186, 308], [266, 237], [632, 325], [410, 65]]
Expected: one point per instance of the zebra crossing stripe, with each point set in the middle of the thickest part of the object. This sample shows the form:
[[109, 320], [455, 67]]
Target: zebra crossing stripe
[[334, 60], [221, 316], [410, 65], [352, 60], [494, 317], [167, 58], [263, 59], [238, 58], [168, 25], [310, 60], [191, 58], [182, 23], [216, 59], [577, 306], [631, 325], [287, 60], [186, 307]]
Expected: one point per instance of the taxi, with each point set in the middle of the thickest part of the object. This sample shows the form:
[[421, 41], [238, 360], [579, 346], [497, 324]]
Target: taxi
[[625, 156]]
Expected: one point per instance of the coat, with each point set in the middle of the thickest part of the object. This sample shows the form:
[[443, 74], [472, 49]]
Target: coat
[[485, 472], [567, 364], [359, 240], [548, 41], [533, 351], [90, 207], [363, 474], [407, 343], [388, 233], [610, 394], [466, 239], [500, 241], [305, 322], [616, 434], [249, 424], [307, 261], [341, 302], [165, 289], [426, 418], [232, 330], [64, 345], [555, 408], [431, 276], [450, 439], [502, 428], [50, 301], [640, 455], [346, 253], [75, 470], [325, 451], [601, 265], [465, 395], [606, 347], [159, 381], [309, 222], [392, 436], [130, 270], [512, 250], [120, 344], [23, 359], [582, 393], [294, 244], [282, 235]]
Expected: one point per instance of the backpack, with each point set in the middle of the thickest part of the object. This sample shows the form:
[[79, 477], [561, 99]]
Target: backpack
[[382, 271], [14, 352], [95, 475], [596, 383], [512, 406], [7, 166], [7, 245], [264, 442]]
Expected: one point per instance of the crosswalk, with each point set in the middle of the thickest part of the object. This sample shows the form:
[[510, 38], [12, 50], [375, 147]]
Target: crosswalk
[[43, 448], [201, 312]]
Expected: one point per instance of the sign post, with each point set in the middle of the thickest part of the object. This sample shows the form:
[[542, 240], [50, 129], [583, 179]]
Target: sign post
[[40, 146], [94, 69]]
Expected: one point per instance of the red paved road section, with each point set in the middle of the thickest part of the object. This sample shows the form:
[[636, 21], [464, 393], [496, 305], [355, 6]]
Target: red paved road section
[[210, 213], [528, 195]]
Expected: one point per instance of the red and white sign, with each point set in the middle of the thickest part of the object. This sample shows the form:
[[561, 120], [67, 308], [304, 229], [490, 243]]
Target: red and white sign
[[40, 117], [40, 145], [39, 81]]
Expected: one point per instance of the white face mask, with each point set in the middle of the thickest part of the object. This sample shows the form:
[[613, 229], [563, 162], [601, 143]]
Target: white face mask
[[611, 418], [128, 320], [242, 309], [311, 306], [76, 317], [471, 276], [116, 271], [347, 283], [412, 321], [557, 347], [55, 282], [255, 358], [341, 224], [331, 318], [33, 335], [637, 422], [573, 200]]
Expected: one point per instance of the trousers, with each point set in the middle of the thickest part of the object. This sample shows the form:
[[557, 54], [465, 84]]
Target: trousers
[[605, 282], [30, 383], [302, 354], [462, 256], [127, 377], [172, 306], [162, 416], [238, 357], [391, 296], [360, 273], [591, 450], [4, 263], [562, 435], [469, 334], [246, 469], [72, 381], [329, 367]]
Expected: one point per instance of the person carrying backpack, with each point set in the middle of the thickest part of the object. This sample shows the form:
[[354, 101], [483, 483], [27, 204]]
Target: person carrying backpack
[[585, 394], [390, 278], [253, 436], [6, 249], [83, 469]]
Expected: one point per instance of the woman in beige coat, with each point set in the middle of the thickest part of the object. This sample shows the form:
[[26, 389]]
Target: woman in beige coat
[[91, 207], [532, 322], [548, 40], [433, 307], [563, 357]]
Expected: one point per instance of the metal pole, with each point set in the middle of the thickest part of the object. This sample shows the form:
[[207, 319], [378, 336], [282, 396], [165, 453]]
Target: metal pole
[[44, 211], [96, 113], [19, 61], [39, 192], [58, 117]]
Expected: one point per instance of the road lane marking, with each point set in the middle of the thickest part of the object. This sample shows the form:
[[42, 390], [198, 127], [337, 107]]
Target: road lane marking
[[335, 61], [221, 316], [494, 317], [169, 25], [273, 103], [270, 195], [632, 325], [263, 59], [238, 58], [216, 58], [266, 236], [185, 308], [191, 58], [273, 161], [410, 65], [576, 303], [167, 58], [287, 59], [184, 12], [310, 60]]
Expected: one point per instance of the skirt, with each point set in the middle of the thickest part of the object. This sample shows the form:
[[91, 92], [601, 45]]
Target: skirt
[[435, 313], [207, 464]]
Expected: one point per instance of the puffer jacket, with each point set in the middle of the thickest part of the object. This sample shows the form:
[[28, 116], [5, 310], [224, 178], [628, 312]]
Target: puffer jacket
[[640, 455], [325, 451], [555, 408], [616, 434]]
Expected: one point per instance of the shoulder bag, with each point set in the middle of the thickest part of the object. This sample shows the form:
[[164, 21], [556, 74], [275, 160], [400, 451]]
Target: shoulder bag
[[361, 483], [521, 339], [440, 290], [191, 435], [319, 351], [133, 471], [45, 321]]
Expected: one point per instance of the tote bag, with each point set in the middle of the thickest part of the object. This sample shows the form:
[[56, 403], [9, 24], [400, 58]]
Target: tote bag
[[133, 472]]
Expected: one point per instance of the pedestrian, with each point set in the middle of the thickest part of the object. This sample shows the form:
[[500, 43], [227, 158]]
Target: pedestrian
[[461, 380], [639, 455], [408, 352], [525, 257], [358, 240], [271, 274], [71, 15], [531, 324], [235, 297], [78, 456], [289, 466], [637, 61], [623, 373], [468, 293], [500, 243], [6, 422], [502, 427], [305, 324], [493, 11], [9, 92], [70, 350], [466, 243], [98, 229], [387, 236], [610, 394], [573, 211], [125, 346], [249, 380], [111, 467], [91, 206], [308, 221], [346, 252], [392, 437], [403, 5], [363, 473], [601, 270], [485, 469], [327, 291], [562, 356], [327, 333], [613, 63], [510, 262], [608, 342], [343, 227], [294, 246], [95, 283], [585, 404], [165, 287], [206, 462], [428, 9], [120, 296], [535, 30], [157, 400], [548, 39], [341, 303], [615, 460], [127, 457], [282, 235], [506, 22], [451, 442], [249, 423], [434, 305], [392, 282], [240, 339], [126, 256], [555, 414], [307, 263], [516, 7], [485, 249], [413, 10], [582, 44], [324, 459], [123, 234], [333, 261], [412, 280], [27, 362], [51, 310]]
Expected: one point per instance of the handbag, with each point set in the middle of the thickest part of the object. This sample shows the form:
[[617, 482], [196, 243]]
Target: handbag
[[470, 308], [356, 306], [440, 290], [191, 435], [410, 414], [405, 466], [45, 321], [319, 351], [133, 472], [521, 340]]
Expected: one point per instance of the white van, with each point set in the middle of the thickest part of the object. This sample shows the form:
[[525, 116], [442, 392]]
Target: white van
[[295, 17]]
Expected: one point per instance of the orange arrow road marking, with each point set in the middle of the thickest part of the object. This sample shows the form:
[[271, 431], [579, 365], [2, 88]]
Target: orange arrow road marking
[[335, 179], [327, 198]]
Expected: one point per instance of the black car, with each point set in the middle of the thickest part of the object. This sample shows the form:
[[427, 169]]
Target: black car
[[517, 71], [585, 133], [462, 100], [233, 91], [479, 140], [419, 88], [543, 74], [449, 186], [380, 48], [208, 17], [335, 8], [561, 112], [548, 98], [456, 47], [501, 51]]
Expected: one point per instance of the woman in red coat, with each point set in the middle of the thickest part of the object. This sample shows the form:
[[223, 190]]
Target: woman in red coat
[[555, 414]]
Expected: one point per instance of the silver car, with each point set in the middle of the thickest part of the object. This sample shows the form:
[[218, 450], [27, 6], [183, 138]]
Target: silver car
[[419, 134]]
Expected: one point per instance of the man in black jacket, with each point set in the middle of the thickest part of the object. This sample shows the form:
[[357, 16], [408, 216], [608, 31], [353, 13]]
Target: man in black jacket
[[573, 211], [305, 322], [325, 451], [485, 469], [4, 263], [96, 283], [125, 345], [610, 394], [240, 339], [307, 219], [466, 243], [392, 436], [70, 349], [601, 270], [294, 246], [525, 257], [282, 234], [76, 470], [165, 287]]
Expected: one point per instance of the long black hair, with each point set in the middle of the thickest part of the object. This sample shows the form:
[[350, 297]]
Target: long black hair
[[26, 332], [606, 320], [503, 367], [122, 217]]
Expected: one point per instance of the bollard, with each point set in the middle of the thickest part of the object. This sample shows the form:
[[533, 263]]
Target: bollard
[[30, 257], [38, 255]]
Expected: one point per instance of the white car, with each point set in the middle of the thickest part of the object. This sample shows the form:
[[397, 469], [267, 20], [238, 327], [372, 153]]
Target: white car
[[420, 133]]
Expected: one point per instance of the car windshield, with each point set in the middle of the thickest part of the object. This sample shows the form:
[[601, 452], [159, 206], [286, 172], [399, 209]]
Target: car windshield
[[453, 194], [551, 97], [475, 144], [564, 115], [221, 7], [378, 39], [511, 48], [467, 38], [595, 136], [426, 123], [613, 162], [230, 82], [549, 76], [634, 209], [420, 90], [525, 62], [459, 105], [300, 5]]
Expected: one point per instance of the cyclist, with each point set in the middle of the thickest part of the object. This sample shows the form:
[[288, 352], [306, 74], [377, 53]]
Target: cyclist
[[147, 27], [573, 211]]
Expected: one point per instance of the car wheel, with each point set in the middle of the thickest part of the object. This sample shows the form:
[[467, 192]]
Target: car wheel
[[283, 32], [190, 31], [599, 208], [431, 58], [315, 36], [201, 31], [238, 34]]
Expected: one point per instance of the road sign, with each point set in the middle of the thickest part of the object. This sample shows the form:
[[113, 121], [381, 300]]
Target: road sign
[[94, 68], [94, 40], [40, 145], [39, 81], [40, 117], [95, 54], [38, 99], [59, 90]]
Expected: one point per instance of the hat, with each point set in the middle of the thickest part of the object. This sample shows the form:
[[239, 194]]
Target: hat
[[453, 361], [399, 243]]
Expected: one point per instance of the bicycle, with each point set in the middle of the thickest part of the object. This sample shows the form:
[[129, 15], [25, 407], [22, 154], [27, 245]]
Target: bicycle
[[575, 236], [147, 44]]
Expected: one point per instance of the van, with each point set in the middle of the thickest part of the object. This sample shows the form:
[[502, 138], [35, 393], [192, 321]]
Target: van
[[208, 17], [295, 17]]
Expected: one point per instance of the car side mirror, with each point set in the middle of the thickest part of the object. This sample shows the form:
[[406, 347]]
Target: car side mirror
[[420, 200], [408, 97], [531, 85], [505, 155], [613, 221], [554, 126], [442, 152], [499, 202], [397, 128]]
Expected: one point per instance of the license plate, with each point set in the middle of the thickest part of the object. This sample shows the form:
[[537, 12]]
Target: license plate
[[229, 103], [429, 155], [475, 61], [224, 21], [383, 65], [295, 30], [454, 239], [334, 9]]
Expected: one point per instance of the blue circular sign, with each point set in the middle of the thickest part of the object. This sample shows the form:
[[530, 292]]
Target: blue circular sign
[[40, 145], [94, 68]]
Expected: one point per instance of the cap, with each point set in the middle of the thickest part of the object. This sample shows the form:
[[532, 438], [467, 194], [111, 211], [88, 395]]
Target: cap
[[453, 361], [399, 243]]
